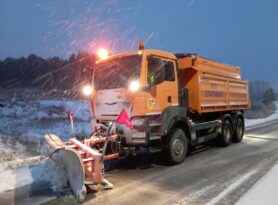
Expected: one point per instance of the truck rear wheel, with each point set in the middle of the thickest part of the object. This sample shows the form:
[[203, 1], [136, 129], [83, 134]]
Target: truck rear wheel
[[239, 130], [177, 146], [226, 134]]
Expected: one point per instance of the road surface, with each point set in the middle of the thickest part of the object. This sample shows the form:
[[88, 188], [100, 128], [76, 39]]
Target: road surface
[[210, 175]]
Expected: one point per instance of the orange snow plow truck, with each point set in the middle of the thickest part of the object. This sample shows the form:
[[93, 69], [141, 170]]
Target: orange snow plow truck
[[159, 101]]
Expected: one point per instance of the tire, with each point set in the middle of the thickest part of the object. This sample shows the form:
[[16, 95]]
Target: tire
[[239, 130], [177, 147], [226, 134]]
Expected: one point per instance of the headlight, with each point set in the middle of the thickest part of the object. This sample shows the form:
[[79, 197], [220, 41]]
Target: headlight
[[88, 90], [139, 123], [134, 86]]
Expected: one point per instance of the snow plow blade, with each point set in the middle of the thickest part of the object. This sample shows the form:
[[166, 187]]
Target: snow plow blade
[[63, 155], [82, 164]]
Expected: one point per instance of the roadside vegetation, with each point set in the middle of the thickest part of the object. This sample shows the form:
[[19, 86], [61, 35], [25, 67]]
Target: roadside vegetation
[[54, 76], [262, 98]]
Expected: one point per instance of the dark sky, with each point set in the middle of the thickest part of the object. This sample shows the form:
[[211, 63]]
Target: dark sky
[[239, 32]]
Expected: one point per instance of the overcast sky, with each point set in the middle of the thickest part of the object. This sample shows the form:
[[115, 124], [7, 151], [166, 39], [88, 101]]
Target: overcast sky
[[238, 32]]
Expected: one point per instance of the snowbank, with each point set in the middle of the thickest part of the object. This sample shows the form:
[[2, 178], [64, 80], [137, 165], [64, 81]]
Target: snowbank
[[23, 172], [260, 122], [18, 186], [79, 108], [33, 119], [14, 155]]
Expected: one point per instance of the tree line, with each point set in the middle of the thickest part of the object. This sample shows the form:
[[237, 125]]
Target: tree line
[[261, 91], [51, 73], [70, 74]]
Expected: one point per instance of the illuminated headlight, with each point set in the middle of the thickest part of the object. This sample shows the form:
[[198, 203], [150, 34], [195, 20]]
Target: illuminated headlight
[[102, 53], [87, 90], [134, 86]]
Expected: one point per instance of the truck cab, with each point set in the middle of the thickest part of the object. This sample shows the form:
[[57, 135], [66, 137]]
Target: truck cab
[[173, 100], [144, 83]]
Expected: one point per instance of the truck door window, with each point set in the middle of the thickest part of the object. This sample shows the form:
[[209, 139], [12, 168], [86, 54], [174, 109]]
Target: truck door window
[[169, 71], [155, 70]]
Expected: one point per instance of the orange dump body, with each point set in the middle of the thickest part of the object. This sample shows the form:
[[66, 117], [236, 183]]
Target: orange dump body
[[212, 86]]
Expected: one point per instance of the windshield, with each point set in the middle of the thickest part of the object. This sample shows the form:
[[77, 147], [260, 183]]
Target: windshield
[[117, 73]]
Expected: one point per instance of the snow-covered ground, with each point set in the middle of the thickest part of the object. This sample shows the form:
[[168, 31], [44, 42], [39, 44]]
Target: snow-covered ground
[[24, 123], [264, 191], [16, 155], [36, 118], [22, 127], [260, 122]]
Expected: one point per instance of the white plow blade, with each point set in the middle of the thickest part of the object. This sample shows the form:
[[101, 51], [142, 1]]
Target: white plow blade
[[53, 147]]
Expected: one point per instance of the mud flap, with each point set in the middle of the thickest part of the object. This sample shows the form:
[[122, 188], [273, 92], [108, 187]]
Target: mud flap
[[53, 147]]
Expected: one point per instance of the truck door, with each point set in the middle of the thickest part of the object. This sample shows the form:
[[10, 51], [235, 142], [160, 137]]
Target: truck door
[[162, 80]]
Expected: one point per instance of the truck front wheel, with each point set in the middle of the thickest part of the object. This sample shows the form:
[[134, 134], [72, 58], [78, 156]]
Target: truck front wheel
[[226, 134], [177, 147]]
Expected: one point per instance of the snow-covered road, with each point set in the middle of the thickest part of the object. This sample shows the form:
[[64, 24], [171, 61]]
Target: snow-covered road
[[265, 191]]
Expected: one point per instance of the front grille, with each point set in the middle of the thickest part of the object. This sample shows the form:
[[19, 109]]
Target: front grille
[[104, 109]]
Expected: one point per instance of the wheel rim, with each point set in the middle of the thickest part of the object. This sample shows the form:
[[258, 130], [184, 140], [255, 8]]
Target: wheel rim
[[227, 133], [178, 147], [239, 130]]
